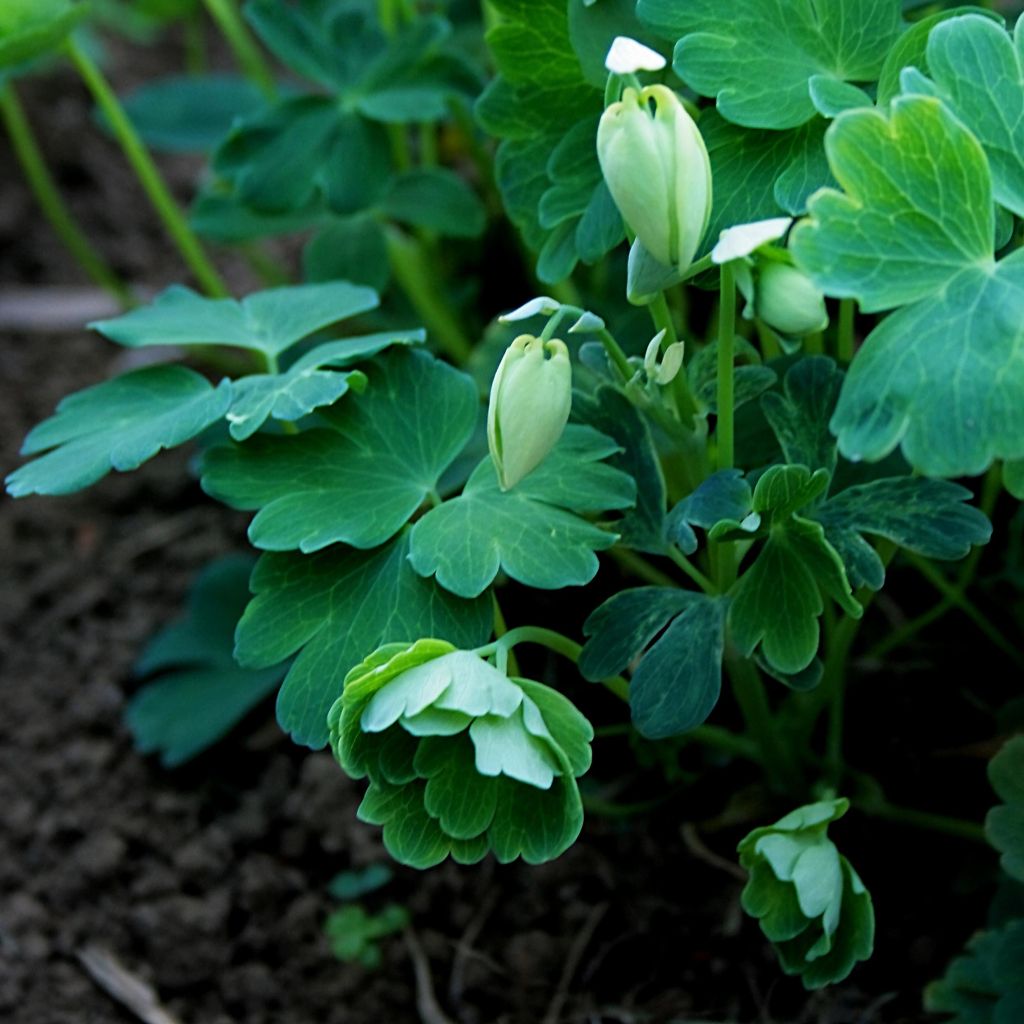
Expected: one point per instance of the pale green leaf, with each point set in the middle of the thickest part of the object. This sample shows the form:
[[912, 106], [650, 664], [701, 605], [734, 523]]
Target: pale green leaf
[[269, 321], [331, 609], [311, 382], [118, 425], [758, 56], [360, 481], [532, 531]]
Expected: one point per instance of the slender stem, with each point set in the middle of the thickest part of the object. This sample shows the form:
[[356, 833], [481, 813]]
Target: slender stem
[[990, 491], [833, 684], [753, 701], [845, 341], [955, 596], [195, 43], [615, 354], [428, 145], [726, 396], [641, 568], [770, 347], [814, 344], [500, 629], [692, 571], [26, 149], [415, 276], [146, 171], [702, 265], [243, 46], [880, 808]]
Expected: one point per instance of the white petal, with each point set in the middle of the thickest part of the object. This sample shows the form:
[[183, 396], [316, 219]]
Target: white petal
[[627, 56], [544, 304], [743, 239]]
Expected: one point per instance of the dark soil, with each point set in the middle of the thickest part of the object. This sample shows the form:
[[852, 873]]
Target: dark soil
[[210, 882]]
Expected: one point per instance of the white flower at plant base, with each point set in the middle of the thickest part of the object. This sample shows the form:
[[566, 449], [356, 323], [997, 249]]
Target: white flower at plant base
[[781, 295], [531, 397], [657, 169], [462, 760]]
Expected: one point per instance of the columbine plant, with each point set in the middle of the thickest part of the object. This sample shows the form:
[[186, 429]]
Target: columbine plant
[[752, 482]]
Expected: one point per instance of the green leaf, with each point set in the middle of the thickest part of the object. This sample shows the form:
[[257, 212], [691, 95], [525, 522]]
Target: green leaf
[[119, 425], [305, 151], [532, 531], [979, 71], [1013, 477], [831, 96], [436, 199], [778, 599], [28, 28], [724, 495], [354, 934], [311, 382], [190, 113], [985, 985], [941, 377], [678, 680], [541, 103], [916, 212], [593, 28], [350, 885], [942, 380], [1004, 824], [200, 692], [350, 249], [929, 517], [333, 607], [361, 480], [758, 59], [910, 50], [799, 417], [223, 217], [269, 321], [761, 174], [610, 412]]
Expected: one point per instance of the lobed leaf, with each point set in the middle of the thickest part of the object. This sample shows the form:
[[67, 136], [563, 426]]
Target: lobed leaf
[[118, 425], [1004, 824], [330, 609], [758, 57], [268, 321], [532, 531], [361, 480]]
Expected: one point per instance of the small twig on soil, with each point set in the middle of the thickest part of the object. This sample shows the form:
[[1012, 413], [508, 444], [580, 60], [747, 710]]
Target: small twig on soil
[[122, 986], [464, 948], [572, 962], [697, 847], [426, 1001]]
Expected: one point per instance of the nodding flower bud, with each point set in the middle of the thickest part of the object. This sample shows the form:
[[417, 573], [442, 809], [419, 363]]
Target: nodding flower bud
[[531, 397], [656, 167], [788, 301]]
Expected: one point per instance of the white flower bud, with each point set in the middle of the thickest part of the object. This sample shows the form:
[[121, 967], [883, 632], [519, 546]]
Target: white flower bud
[[531, 397], [657, 169], [788, 301]]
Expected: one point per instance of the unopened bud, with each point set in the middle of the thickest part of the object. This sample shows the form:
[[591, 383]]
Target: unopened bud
[[657, 169], [531, 397], [788, 301]]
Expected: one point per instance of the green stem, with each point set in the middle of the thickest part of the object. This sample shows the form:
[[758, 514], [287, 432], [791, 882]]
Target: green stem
[[615, 354], [845, 341], [878, 807], [413, 273], [702, 265], [753, 701], [26, 149], [195, 43], [642, 569], [146, 171], [726, 396], [954, 595], [814, 344], [833, 685], [243, 46], [692, 571]]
